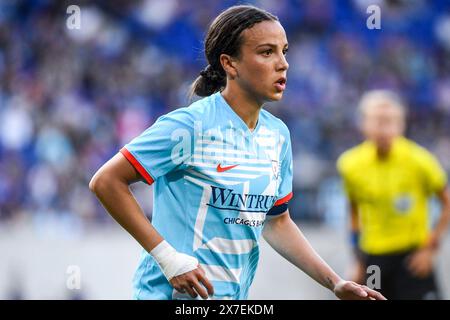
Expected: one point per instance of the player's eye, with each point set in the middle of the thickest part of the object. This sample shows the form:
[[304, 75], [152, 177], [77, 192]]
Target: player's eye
[[285, 51], [267, 52]]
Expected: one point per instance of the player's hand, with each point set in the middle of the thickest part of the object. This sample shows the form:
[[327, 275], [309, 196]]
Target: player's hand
[[349, 290], [194, 283], [420, 263]]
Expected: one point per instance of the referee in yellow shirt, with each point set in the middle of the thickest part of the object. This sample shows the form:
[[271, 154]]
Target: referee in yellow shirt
[[388, 180]]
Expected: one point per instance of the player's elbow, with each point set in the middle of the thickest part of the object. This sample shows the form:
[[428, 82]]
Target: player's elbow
[[99, 182], [93, 184]]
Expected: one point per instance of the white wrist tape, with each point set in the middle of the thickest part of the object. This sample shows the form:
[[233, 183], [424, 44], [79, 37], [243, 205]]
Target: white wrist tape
[[172, 262]]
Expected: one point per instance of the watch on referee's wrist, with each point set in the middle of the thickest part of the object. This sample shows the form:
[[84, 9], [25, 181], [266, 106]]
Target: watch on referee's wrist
[[354, 239]]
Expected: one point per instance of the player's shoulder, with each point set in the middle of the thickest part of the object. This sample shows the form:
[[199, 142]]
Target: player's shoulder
[[416, 152], [274, 123], [353, 157]]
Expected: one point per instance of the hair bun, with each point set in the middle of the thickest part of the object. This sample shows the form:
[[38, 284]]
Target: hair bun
[[211, 74]]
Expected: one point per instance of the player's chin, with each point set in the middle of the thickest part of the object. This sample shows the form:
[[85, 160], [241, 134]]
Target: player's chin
[[275, 96]]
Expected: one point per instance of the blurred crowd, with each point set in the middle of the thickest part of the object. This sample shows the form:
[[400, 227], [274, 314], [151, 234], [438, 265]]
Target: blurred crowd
[[71, 98]]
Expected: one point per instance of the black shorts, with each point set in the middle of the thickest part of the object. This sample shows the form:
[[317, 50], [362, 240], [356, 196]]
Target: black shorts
[[397, 282]]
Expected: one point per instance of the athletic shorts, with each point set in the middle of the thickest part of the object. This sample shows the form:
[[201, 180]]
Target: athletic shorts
[[397, 282]]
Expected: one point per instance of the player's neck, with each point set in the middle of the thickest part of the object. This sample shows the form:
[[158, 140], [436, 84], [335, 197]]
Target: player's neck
[[245, 107], [383, 153], [385, 150]]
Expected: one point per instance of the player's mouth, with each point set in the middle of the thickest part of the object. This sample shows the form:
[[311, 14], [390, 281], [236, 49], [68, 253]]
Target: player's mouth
[[280, 84]]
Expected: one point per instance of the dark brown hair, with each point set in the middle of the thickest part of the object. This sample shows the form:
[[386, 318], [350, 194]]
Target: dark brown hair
[[224, 36]]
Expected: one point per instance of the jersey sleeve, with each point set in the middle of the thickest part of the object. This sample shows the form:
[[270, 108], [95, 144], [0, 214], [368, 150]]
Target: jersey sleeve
[[344, 172], [163, 147], [435, 177], [285, 186]]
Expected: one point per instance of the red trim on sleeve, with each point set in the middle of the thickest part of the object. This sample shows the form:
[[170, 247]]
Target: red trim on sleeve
[[137, 165], [284, 199]]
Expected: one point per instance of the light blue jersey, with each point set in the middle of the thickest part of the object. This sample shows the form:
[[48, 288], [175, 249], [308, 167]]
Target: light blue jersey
[[214, 183]]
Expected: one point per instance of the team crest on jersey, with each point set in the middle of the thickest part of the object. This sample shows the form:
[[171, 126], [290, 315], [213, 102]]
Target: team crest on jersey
[[403, 203]]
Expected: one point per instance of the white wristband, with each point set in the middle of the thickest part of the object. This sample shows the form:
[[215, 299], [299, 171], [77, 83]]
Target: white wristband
[[172, 262]]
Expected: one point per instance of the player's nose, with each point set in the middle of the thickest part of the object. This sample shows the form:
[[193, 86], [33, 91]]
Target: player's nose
[[282, 63]]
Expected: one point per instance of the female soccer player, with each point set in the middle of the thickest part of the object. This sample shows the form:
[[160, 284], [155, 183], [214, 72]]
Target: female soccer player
[[222, 175]]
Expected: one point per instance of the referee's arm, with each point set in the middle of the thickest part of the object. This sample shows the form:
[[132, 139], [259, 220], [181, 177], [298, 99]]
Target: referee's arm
[[442, 225]]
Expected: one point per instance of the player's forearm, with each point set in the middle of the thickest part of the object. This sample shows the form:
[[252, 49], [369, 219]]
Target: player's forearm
[[354, 220], [287, 239], [444, 219], [120, 203], [354, 229]]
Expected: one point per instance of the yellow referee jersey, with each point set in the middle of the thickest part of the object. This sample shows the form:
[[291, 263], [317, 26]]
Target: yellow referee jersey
[[391, 194]]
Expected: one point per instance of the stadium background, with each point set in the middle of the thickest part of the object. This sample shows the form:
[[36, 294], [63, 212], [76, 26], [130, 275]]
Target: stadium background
[[69, 99]]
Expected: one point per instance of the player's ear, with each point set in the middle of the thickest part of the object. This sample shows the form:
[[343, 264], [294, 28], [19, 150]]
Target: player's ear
[[229, 65]]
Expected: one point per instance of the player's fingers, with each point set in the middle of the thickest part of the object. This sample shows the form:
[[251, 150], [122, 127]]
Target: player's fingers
[[358, 290], [204, 280], [200, 270], [413, 262], [373, 294], [422, 272], [176, 285], [416, 268], [409, 258], [190, 290], [416, 261], [200, 289], [179, 288], [208, 285], [413, 265]]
